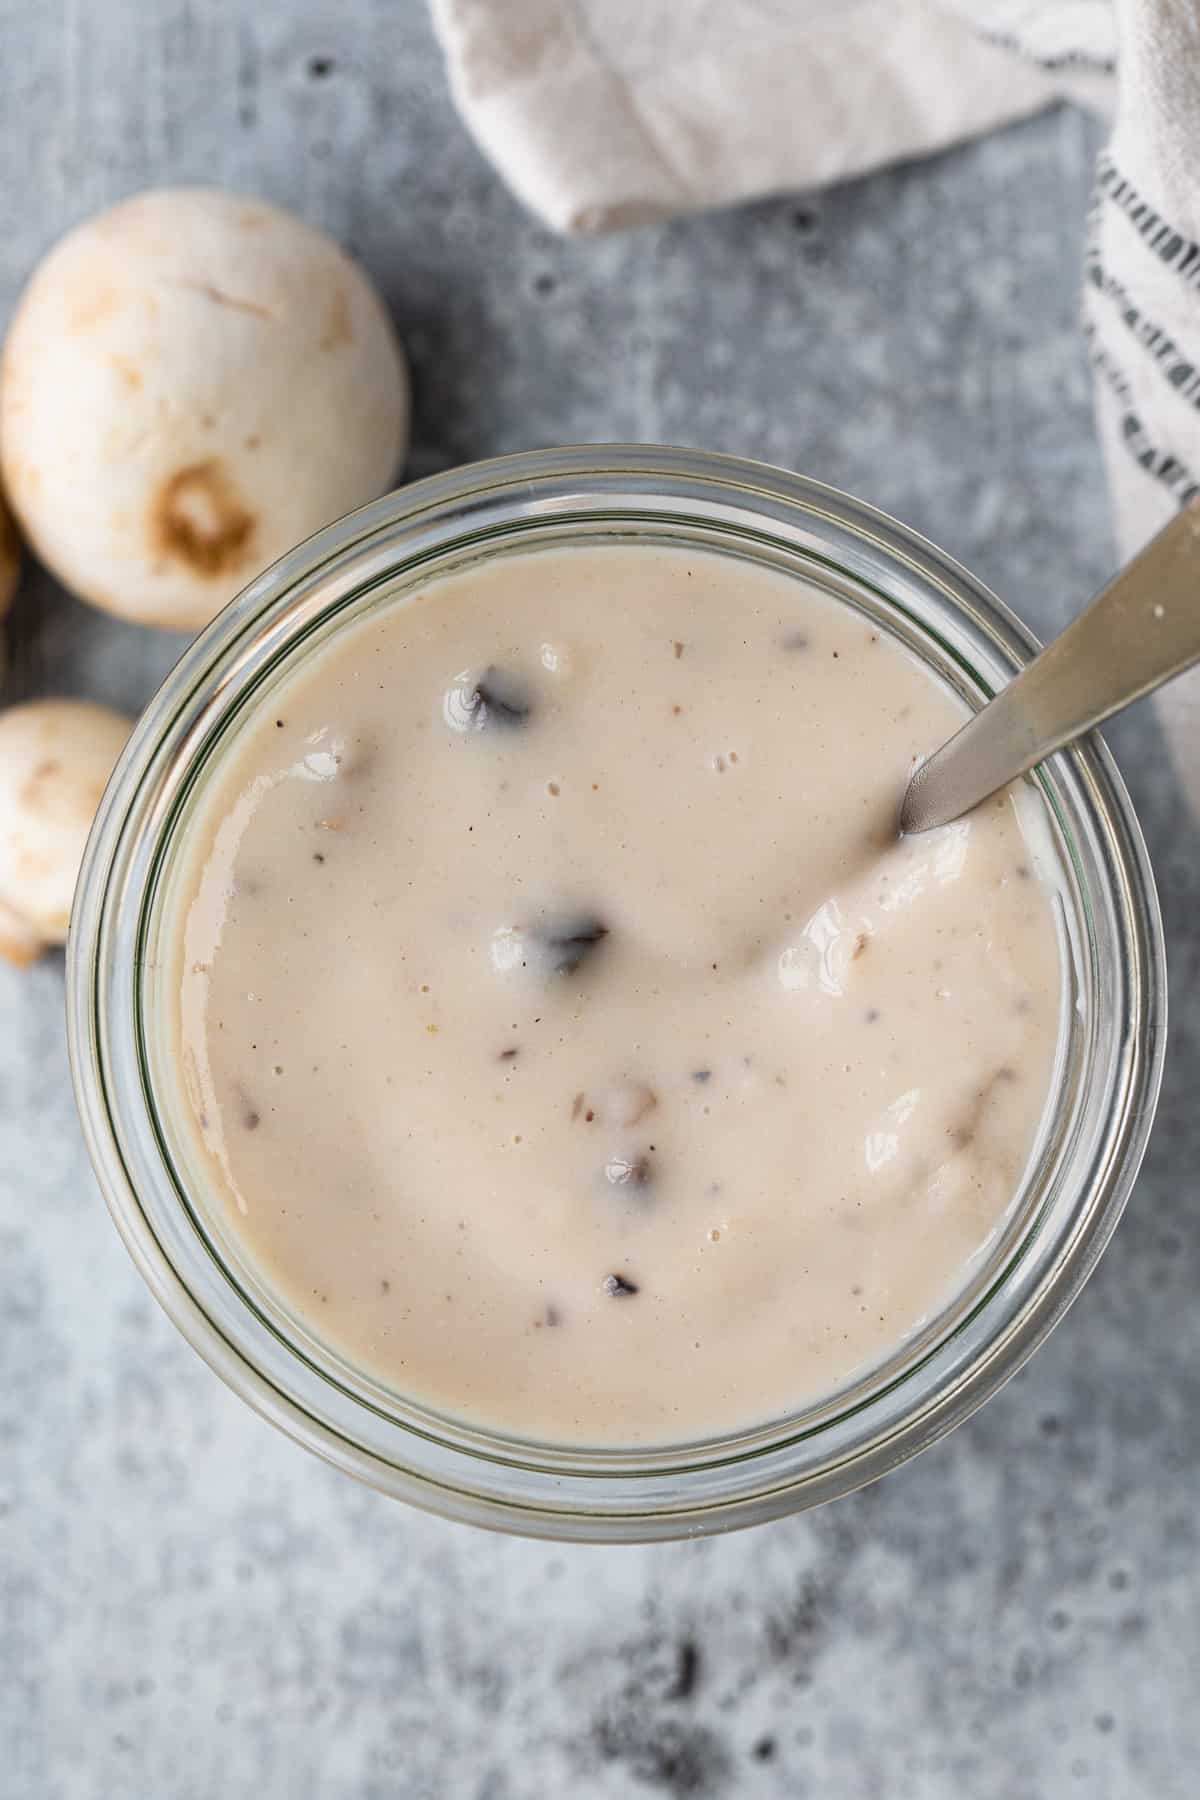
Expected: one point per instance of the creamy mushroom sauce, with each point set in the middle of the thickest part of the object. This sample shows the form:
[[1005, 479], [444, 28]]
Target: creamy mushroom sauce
[[571, 1044]]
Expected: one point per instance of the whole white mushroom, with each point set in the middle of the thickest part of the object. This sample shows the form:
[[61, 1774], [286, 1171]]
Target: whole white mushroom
[[55, 759], [192, 383]]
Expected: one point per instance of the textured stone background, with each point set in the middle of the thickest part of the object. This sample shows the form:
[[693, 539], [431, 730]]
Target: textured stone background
[[190, 1607]]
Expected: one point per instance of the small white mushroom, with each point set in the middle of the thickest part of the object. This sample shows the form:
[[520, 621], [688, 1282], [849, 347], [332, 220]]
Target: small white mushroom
[[192, 383], [55, 758], [10, 569]]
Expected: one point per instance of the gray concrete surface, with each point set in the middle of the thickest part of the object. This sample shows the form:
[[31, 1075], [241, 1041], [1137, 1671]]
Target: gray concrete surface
[[192, 1608]]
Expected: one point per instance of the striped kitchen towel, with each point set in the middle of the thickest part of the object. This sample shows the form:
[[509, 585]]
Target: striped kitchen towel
[[607, 113], [1142, 302]]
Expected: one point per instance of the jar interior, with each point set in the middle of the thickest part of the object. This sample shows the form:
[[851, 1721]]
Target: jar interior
[[947, 645]]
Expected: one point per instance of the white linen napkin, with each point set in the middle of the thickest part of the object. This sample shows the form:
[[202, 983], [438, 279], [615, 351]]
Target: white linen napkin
[[605, 113], [608, 113]]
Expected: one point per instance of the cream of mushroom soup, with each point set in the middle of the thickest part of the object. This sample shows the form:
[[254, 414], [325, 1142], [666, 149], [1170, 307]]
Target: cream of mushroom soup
[[570, 1041]]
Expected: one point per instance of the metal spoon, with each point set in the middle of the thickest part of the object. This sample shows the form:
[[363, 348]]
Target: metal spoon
[[1138, 632]]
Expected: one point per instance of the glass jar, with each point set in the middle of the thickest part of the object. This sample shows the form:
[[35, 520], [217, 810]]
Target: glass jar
[[1092, 1140]]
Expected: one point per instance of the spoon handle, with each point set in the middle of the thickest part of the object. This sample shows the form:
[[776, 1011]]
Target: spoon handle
[[1138, 632]]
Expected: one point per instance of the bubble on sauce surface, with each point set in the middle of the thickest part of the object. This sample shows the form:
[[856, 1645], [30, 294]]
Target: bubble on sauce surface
[[627, 1103], [324, 758], [497, 699], [549, 948], [629, 1172]]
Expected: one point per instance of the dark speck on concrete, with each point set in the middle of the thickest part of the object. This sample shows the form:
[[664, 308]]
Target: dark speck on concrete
[[795, 1631], [686, 1762], [688, 1671]]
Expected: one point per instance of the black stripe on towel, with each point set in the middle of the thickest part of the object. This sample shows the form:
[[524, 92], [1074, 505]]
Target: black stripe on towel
[[1160, 465], [1176, 366], [1056, 61], [1170, 246]]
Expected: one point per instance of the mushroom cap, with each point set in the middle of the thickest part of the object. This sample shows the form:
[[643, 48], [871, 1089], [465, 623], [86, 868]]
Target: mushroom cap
[[192, 383], [55, 758]]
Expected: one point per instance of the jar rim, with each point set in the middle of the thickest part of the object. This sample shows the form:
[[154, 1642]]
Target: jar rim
[[512, 502]]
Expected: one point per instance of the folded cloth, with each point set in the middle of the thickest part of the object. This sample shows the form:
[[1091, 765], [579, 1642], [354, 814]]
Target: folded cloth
[[605, 113], [608, 113]]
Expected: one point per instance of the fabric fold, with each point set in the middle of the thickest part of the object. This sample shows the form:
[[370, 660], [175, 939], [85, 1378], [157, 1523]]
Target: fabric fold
[[607, 113]]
